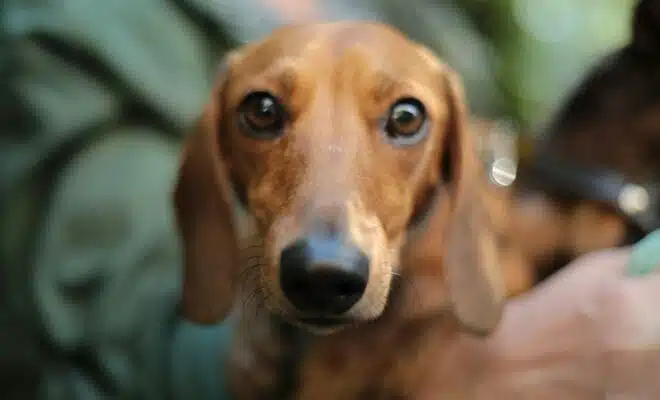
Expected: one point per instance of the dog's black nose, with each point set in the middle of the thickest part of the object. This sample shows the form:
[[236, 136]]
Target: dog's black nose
[[323, 275]]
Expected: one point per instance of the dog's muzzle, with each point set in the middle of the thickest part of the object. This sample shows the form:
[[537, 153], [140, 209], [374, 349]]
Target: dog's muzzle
[[323, 276]]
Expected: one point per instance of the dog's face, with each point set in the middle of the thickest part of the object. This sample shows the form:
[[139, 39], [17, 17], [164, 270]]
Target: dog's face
[[335, 144], [334, 139]]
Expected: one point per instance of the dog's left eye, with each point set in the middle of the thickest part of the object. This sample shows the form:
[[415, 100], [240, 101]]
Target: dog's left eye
[[406, 121], [262, 114]]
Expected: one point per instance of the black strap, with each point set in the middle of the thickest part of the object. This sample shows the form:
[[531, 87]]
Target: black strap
[[555, 173]]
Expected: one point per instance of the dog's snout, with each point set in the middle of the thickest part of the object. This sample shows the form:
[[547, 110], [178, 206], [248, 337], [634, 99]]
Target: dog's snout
[[323, 275]]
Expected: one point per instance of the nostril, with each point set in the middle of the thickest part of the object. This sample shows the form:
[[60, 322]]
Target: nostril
[[323, 276], [334, 289], [348, 286], [298, 285]]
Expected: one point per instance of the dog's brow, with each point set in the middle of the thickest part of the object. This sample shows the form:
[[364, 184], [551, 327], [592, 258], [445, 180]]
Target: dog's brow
[[427, 94], [385, 84], [284, 71]]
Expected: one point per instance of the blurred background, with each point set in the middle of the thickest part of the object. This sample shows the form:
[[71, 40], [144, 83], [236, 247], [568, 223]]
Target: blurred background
[[95, 99]]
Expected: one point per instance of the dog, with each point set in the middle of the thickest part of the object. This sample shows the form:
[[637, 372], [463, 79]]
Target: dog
[[592, 182], [331, 203]]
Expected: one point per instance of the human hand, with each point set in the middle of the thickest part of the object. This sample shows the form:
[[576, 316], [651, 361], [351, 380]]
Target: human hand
[[590, 332]]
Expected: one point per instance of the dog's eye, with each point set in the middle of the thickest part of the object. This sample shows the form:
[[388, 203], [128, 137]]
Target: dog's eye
[[406, 121], [262, 115]]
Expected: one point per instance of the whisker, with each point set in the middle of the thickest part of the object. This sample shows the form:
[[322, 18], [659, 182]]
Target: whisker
[[253, 296], [260, 297], [261, 303], [251, 269]]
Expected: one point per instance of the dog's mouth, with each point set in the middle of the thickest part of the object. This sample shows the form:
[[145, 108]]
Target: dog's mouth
[[324, 324]]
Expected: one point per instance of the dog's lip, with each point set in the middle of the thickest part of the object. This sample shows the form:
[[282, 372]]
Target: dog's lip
[[325, 322]]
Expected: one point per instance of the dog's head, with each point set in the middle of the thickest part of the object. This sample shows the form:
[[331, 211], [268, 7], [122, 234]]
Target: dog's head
[[332, 161]]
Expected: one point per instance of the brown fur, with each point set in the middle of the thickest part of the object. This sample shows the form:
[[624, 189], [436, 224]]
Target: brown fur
[[337, 81]]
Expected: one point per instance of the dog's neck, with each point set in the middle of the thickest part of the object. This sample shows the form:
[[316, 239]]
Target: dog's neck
[[266, 355], [294, 342], [273, 355]]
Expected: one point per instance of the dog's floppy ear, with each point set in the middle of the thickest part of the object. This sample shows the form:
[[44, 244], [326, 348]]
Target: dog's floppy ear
[[473, 275], [203, 205], [457, 243]]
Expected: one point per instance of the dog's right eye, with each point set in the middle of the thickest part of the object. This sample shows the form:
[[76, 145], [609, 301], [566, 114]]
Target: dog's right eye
[[406, 122], [262, 115]]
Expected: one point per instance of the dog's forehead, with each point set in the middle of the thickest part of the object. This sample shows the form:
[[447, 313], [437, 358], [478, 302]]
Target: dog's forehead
[[378, 46]]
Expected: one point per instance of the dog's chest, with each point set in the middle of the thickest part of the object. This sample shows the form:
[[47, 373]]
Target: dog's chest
[[378, 362], [374, 363]]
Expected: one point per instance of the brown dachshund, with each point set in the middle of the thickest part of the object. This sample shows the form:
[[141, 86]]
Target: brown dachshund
[[595, 178], [331, 201]]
